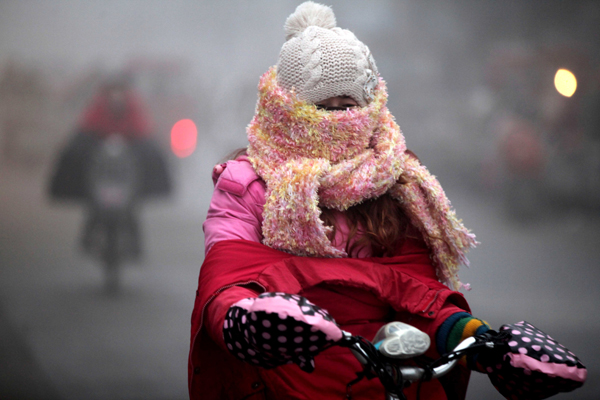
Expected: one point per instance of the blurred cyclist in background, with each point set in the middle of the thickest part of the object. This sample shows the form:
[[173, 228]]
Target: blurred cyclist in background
[[111, 163]]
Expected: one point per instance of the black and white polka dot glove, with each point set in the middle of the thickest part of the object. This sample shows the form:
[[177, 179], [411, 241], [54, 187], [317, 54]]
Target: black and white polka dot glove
[[534, 365], [277, 328]]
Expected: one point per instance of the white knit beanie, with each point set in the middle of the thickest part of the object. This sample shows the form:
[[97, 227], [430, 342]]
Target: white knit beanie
[[320, 60]]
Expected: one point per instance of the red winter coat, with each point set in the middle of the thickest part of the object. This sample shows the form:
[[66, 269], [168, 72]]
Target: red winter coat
[[406, 282]]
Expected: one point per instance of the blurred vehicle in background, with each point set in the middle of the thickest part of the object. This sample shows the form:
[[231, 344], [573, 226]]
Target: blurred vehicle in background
[[547, 143], [111, 165], [523, 157]]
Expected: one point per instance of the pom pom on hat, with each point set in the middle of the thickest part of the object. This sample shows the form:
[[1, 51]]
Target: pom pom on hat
[[309, 14]]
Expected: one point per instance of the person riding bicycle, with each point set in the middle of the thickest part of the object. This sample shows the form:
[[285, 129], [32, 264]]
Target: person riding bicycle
[[326, 209], [116, 116], [116, 112]]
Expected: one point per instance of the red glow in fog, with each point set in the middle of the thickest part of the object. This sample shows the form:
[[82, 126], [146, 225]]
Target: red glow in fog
[[184, 137]]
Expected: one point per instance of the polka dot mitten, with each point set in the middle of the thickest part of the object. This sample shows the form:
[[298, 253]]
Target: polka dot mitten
[[535, 366], [277, 328]]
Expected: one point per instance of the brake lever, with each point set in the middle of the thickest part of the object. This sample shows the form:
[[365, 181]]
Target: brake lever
[[374, 364]]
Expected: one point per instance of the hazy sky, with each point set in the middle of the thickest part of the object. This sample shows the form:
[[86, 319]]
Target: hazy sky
[[212, 34]]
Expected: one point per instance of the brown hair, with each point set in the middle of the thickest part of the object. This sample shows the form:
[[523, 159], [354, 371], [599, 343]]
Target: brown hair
[[242, 151], [382, 224]]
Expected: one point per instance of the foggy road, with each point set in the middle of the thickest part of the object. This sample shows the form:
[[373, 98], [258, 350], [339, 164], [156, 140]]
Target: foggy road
[[85, 344], [88, 344]]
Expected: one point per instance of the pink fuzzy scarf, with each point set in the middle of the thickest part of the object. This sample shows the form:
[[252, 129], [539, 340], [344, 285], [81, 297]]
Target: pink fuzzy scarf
[[313, 158]]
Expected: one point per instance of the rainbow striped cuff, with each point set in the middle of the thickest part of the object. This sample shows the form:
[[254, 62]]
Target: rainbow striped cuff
[[457, 328]]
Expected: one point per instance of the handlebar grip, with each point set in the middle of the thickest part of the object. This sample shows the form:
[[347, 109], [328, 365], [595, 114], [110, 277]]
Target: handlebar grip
[[399, 340]]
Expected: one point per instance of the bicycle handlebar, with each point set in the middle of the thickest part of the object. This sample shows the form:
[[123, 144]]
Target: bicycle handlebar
[[392, 374], [411, 373], [415, 373]]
